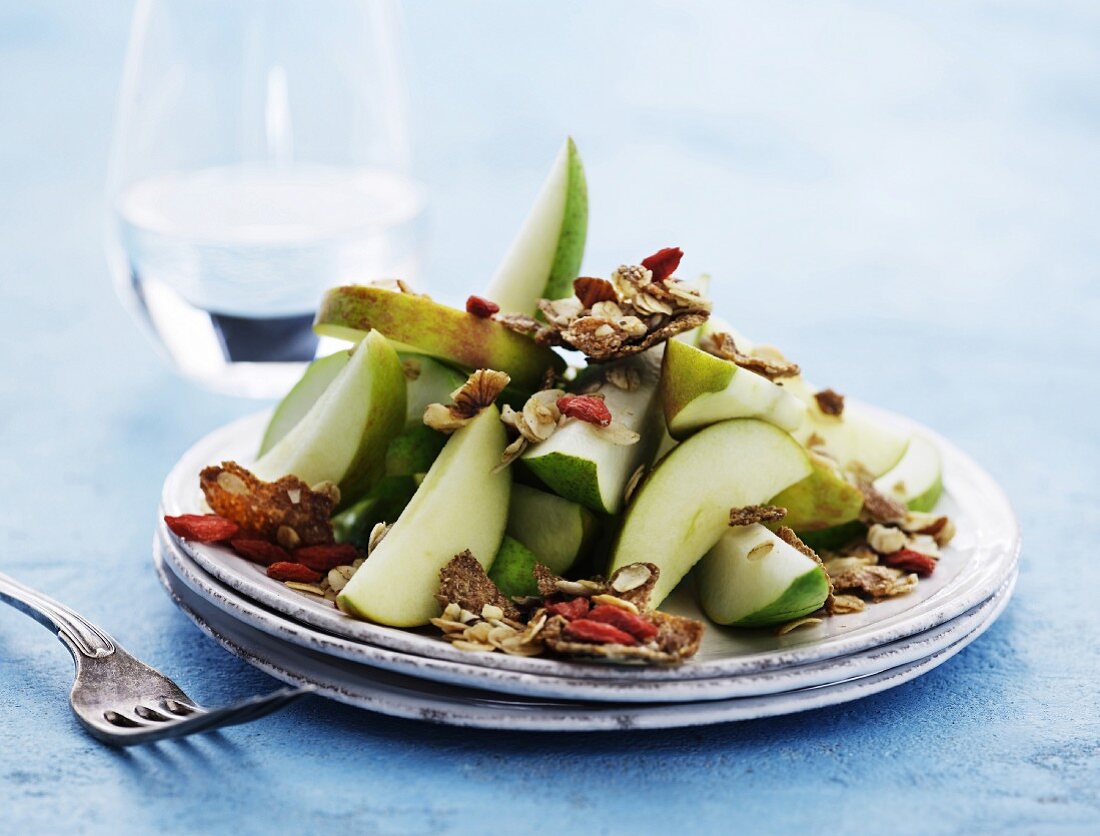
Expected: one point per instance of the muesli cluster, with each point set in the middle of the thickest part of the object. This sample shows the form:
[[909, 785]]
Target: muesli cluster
[[640, 306], [591, 618]]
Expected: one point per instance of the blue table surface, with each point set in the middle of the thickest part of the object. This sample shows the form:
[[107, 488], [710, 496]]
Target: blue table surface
[[905, 198]]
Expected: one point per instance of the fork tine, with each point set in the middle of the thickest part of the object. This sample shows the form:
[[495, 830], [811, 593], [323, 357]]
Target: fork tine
[[250, 709]]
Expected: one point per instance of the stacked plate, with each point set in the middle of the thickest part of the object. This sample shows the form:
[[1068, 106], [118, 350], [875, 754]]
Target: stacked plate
[[737, 674]]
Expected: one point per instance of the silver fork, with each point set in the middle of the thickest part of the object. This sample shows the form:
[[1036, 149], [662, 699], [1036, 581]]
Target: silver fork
[[120, 700]]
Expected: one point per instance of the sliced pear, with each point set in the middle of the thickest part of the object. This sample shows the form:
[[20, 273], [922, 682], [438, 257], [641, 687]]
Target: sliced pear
[[682, 508], [556, 530], [546, 255], [752, 578], [917, 480], [343, 437], [699, 389], [579, 463], [428, 381], [414, 451], [822, 500], [417, 324], [461, 504], [513, 570], [852, 438], [384, 503], [298, 401]]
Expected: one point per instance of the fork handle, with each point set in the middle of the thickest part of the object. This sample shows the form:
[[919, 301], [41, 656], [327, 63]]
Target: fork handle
[[79, 634]]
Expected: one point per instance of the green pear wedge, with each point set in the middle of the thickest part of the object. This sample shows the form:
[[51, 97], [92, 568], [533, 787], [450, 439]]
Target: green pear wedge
[[546, 255], [418, 324], [752, 578], [579, 463], [428, 381], [699, 389], [513, 570], [383, 503], [556, 530], [343, 436], [461, 504], [851, 438], [299, 400], [916, 481], [682, 508], [822, 500]]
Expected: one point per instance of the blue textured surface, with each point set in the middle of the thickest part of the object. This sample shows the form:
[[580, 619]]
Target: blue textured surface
[[905, 199]]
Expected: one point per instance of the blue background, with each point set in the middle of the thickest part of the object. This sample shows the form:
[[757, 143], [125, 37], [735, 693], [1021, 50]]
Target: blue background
[[905, 197]]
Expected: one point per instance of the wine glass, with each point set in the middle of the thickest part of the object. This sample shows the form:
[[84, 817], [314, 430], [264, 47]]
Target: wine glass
[[260, 156]]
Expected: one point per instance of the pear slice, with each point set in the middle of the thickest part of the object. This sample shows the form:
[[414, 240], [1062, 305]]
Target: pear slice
[[461, 504], [384, 503], [699, 389], [513, 569], [752, 578], [299, 400], [851, 438], [428, 381], [581, 464], [682, 508], [917, 480], [822, 500], [418, 324], [556, 530], [546, 254], [343, 437]]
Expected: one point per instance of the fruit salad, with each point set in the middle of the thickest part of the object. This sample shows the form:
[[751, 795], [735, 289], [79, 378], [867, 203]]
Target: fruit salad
[[536, 471]]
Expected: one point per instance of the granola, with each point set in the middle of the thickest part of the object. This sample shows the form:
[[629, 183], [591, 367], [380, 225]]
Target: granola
[[756, 514], [628, 314], [264, 508], [764, 361], [480, 391]]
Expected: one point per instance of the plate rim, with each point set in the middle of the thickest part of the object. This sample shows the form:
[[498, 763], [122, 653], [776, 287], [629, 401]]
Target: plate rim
[[409, 702], [628, 689], [936, 609]]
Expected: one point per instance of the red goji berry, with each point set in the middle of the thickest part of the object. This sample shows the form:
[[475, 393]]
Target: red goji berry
[[908, 560], [259, 551], [628, 622], [663, 263], [323, 558], [597, 632], [577, 608], [285, 571], [203, 528], [590, 291], [480, 307], [585, 408]]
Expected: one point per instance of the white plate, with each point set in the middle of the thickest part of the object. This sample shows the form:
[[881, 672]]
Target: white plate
[[978, 563], [628, 689], [403, 696]]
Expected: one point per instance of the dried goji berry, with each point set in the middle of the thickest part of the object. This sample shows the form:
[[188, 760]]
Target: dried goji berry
[[663, 263], [480, 307], [285, 571], [596, 631], [259, 551], [577, 608], [204, 528], [323, 558], [908, 560], [590, 291], [628, 622], [585, 408]]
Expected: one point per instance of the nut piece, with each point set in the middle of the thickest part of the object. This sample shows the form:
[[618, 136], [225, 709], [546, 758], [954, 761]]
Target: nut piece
[[631, 577], [613, 601], [886, 539], [830, 402], [480, 391]]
